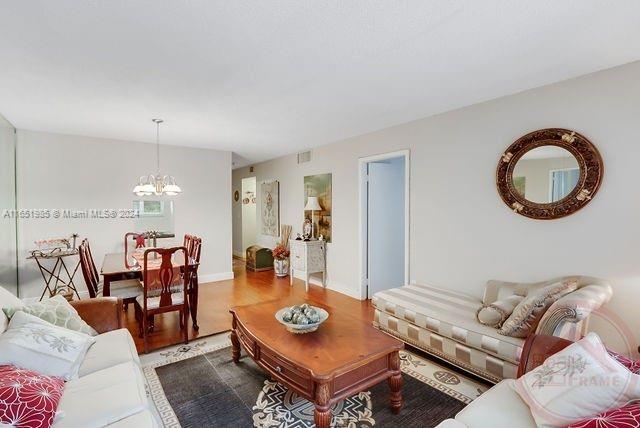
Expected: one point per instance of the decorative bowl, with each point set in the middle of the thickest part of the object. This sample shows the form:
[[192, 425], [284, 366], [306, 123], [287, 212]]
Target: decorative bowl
[[302, 328]]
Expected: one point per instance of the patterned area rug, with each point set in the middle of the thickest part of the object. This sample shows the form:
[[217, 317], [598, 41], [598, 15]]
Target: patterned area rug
[[198, 385]]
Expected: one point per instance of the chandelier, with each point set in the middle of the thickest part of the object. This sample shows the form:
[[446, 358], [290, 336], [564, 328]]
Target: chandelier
[[157, 184]]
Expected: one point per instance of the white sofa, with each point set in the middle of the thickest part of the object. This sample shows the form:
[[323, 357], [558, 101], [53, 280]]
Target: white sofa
[[110, 390], [444, 324], [501, 406]]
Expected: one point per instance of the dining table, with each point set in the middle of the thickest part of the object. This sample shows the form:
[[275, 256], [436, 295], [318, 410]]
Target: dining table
[[116, 267]]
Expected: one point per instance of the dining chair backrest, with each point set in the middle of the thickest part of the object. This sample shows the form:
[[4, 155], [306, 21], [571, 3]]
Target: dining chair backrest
[[133, 241], [193, 244], [89, 271], [186, 242], [163, 278], [92, 263]]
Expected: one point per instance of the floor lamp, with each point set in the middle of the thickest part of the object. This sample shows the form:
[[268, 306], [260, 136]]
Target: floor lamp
[[312, 205]]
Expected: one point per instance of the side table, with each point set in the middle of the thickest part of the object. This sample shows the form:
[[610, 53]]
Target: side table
[[307, 257]]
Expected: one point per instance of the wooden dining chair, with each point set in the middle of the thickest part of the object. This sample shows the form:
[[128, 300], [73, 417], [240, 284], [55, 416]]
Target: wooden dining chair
[[163, 279], [193, 244], [133, 241], [127, 289]]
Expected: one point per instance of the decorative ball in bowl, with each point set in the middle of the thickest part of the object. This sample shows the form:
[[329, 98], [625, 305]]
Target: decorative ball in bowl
[[301, 319]]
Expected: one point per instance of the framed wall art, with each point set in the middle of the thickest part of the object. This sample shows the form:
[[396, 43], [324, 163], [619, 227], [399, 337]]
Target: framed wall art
[[270, 208], [319, 186]]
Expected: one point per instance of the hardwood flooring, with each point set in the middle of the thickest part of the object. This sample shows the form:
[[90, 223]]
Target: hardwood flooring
[[246, 288]]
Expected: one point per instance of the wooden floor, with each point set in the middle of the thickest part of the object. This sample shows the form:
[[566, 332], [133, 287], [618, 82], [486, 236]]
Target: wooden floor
[[247, 288]]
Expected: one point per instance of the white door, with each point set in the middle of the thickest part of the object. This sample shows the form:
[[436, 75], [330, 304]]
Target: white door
[[385, 224]]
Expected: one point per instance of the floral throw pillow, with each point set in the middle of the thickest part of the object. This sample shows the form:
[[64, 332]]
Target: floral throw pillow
[[624, 417], [57, 311], [28, 399], [633, 366], [34, 344]]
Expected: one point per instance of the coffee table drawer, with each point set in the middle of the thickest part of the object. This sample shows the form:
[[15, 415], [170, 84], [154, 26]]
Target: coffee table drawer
[[247, 342], [286, 370]]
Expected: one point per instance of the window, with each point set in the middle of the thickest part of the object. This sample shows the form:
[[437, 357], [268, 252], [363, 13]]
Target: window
[[562, 182], [150, 208], [154, 215]]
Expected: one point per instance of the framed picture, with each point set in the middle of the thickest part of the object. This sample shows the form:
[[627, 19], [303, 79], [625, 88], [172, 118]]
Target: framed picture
[[270, 208], [320, 186]]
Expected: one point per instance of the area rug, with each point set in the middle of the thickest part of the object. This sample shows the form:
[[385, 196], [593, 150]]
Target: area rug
[[198, 385]]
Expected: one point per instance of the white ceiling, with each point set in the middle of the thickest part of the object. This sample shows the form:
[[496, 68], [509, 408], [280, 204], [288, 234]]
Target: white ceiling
[[264, 77]]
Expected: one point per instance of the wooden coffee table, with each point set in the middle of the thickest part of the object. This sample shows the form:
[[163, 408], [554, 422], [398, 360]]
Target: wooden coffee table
[[343, 357]]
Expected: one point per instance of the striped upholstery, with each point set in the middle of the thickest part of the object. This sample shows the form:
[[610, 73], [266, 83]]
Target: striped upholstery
[[444, 323]]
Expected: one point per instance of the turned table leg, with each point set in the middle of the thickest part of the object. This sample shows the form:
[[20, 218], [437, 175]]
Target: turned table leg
[[235, 343], [395, 383], [235, 347], [322, 412]]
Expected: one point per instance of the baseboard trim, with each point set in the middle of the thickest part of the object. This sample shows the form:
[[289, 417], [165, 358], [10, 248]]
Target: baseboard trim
[[214, 277], [334, 286]]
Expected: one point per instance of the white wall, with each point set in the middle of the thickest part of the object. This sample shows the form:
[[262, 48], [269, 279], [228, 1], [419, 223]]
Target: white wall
[[78, 173], [236, 212], [249, 215], [462, 234], [8, 269]]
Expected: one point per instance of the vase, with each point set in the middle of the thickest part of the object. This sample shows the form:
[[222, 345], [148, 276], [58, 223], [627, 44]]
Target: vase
[[281, 267]]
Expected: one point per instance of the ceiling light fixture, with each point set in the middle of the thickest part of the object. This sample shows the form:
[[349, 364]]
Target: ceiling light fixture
[[157, 184]]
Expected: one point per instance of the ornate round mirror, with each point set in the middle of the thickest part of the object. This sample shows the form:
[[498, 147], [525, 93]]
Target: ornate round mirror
[[550, 173]]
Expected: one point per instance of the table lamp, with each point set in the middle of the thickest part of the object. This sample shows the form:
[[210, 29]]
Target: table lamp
[[312, 205]]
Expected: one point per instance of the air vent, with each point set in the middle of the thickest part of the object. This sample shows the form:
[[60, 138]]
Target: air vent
[[304, 156]]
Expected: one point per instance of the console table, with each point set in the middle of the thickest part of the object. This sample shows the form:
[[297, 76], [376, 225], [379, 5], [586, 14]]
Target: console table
[[307, 257]]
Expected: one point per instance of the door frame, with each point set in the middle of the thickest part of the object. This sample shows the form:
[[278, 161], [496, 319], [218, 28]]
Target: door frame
[[363, 220]]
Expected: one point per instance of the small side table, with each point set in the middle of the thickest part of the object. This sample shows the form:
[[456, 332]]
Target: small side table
[[307, 257], [57, 254]]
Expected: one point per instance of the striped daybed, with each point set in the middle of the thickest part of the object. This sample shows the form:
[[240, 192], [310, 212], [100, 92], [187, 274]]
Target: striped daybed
[[444, 324]]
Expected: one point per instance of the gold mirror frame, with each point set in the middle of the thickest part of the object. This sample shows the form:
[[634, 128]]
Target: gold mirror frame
[[587, 156]]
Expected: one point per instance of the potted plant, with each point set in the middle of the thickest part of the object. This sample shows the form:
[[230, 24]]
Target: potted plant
[[281, 260]]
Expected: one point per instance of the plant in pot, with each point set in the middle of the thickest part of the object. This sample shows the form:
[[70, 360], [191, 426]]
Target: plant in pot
[[281, 260]]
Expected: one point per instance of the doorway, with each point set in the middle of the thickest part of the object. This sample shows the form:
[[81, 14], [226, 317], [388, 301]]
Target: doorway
[[384, 222], [249, 215]]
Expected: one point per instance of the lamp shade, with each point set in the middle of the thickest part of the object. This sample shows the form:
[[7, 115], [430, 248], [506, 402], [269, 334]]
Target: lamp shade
[[312, 204]]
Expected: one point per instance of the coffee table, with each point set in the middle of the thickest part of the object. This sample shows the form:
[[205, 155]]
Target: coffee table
[[343, 357]]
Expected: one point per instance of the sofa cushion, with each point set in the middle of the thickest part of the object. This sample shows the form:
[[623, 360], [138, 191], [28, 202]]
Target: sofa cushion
[[103, 397], [470, 358], [526, 316], [451, 423], [35, 344], [499, 407], [449, 314], [496, 313], [7, 300], [110, 349], [56, 310], [142, 419]]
